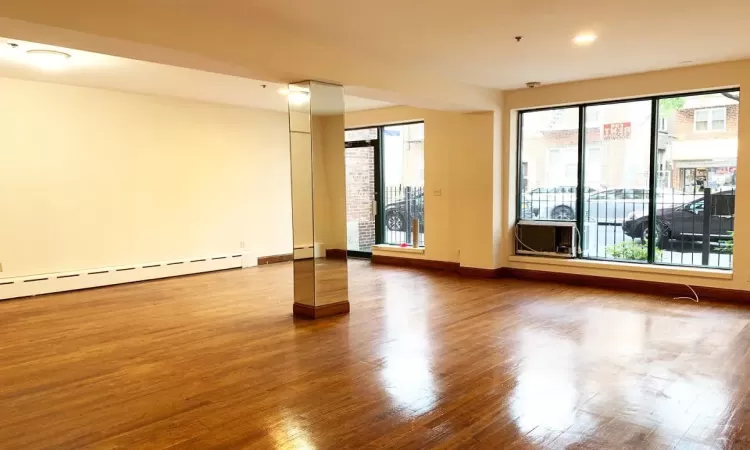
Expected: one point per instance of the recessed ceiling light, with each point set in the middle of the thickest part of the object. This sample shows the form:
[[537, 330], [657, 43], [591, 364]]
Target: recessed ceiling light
[[48, 59], [584, 39]]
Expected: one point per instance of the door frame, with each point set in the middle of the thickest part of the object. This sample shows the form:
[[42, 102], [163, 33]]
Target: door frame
[[378, 155]]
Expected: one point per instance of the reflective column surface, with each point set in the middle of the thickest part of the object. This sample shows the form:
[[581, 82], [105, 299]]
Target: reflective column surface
[[423, 360], [318, 178]]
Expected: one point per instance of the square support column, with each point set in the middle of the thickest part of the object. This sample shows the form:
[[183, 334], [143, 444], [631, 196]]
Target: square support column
[[316, 137]]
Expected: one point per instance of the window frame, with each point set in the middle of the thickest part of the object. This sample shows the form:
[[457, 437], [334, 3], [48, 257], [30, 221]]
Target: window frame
[[378, 144], [710, 122], [381, 237], [653, 181]]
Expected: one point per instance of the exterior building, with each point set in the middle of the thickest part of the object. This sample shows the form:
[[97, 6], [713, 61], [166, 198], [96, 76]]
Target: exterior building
[[696, 145], [703, 136]]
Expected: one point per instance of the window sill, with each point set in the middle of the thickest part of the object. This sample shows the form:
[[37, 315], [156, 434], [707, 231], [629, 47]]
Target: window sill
[[629, 267], [398, 249]]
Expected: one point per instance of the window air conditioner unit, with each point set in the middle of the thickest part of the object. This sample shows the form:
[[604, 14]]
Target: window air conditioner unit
[[546, 238]]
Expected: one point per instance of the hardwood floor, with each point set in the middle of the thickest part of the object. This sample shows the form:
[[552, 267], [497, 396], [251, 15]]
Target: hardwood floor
[[423, 360]]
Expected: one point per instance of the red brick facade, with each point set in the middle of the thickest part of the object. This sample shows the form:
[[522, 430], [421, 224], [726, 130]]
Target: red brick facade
[[360, 191], [685, 130]]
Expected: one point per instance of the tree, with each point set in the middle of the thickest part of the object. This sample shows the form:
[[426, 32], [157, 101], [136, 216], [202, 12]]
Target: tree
[[668, 105]]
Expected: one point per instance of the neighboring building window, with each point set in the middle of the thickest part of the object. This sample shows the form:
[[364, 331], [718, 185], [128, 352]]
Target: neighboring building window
[[593, 116], [663, 124], [687, 220], [710, 119]]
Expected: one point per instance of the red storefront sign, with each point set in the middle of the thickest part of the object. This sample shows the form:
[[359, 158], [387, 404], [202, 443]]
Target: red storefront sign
[[614, 131]]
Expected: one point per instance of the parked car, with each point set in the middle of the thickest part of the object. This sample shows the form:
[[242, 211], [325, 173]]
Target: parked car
[[687, 221], [398, 214], [553, 203], [614, 206]]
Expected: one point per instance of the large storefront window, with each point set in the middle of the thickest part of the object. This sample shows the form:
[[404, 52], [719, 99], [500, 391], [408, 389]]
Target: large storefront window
[[654, 178]]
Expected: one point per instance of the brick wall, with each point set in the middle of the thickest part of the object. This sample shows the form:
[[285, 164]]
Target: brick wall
[[684, 128], [360, 191]]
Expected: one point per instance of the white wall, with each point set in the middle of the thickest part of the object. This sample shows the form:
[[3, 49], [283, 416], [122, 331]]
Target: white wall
[[93, 178], [460, 162]]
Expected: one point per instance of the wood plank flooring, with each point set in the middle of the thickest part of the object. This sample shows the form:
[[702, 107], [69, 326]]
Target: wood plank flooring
[[424, 360]]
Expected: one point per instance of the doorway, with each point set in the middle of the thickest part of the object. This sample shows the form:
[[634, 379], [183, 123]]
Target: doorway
[[384, 187], [362, 180]]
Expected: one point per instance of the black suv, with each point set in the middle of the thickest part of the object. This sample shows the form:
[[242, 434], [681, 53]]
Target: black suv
[[686, 222]]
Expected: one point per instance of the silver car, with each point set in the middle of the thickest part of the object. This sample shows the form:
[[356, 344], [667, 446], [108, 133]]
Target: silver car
[[605, 207], [615, 206], [552, 203]]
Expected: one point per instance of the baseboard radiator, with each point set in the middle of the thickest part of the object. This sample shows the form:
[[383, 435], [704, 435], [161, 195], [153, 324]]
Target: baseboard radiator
[[69, 281]]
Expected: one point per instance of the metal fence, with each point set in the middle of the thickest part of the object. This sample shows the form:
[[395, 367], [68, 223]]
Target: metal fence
[[402, 205], [693, 226]]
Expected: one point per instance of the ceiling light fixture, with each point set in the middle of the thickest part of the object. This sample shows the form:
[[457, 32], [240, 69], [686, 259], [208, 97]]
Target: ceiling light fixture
[[48, 59], [584, 39], [298, 97]]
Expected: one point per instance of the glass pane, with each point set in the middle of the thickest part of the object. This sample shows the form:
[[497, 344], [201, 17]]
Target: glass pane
[[695, 211], [618, 154], [403, 182], [364, 134], [592, 116], [549, 151], [701, 114], [360, 195]]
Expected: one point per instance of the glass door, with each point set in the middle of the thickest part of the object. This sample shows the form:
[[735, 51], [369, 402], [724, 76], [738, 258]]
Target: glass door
[[362, 169]]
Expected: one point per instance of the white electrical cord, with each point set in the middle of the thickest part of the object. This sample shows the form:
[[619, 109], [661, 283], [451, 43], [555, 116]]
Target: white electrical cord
[[521, 242], [518, 238], [696, 299], [580, 251]]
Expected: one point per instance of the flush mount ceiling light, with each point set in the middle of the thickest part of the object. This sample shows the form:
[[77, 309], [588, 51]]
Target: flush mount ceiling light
[[584, 39], [48, 59]]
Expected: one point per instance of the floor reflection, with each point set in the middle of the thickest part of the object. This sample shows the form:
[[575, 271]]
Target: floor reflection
[[545, 394], [643, 376], [406, 370], [424, 360]]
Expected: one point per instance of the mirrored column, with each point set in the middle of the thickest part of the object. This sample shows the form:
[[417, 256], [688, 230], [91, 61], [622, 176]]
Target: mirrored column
[[316, 129]]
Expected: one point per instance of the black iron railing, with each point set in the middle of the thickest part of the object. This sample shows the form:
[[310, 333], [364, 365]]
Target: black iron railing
[[693, 226], [402, 205]]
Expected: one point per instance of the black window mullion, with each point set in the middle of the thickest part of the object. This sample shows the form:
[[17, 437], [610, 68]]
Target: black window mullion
[[519, 172], [580, 188], [652, 179], [380, 194]]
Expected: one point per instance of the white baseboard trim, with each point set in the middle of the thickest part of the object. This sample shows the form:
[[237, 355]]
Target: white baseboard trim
[[106, 276]]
